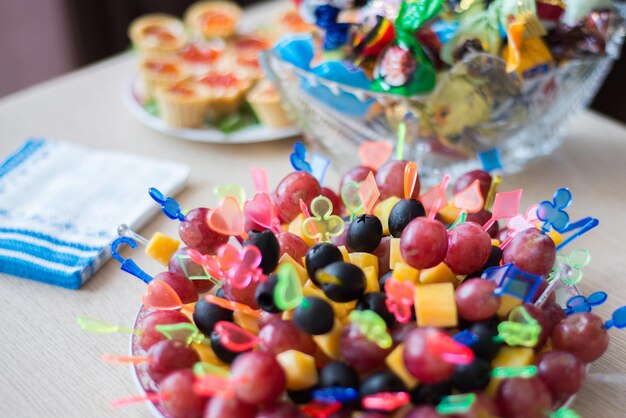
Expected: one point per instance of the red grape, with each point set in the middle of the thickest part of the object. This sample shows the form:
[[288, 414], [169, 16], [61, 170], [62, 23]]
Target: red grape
[[149, 334], [193, 269], [183, 287], [245, 295], [424, 411], [468, 248], [169, 355], [195, 232], [424, 365], [259, 377], [292, 245], [400, 331], [424, 243], [180, 400], [531, 251], [383, 254], [219, 407], [481, 217], [390, 180], [334, 199], [475, 300], [483, 407], [524, 398], [562, 372], [483, 177], [279, 336], [280, 409], [581, 334], [554, 314], [295, 186], [359, 352], [268, 318], [356, 175], [343, 238]]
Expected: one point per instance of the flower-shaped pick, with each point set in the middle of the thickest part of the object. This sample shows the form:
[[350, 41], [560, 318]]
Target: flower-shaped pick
[[568, 267], [580, 303], [552, 213], [241, 267], [400, 299], [322, 225]]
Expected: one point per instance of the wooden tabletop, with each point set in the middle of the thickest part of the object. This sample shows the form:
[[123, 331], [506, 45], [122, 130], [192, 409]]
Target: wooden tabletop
[[49, 367]]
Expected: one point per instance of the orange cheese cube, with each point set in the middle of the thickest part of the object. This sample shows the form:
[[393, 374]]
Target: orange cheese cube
[[344, 253], [382, 210], [395, 362], [363, 260], [208, 356], [435, 305], [329, 342], [371, 280], [507, 303], [449, 214], [509, 357], [295, 227], [395, 256], [441, 273], [404, 272], [299, 368], [247, 322], [302, 274], [161, 247]]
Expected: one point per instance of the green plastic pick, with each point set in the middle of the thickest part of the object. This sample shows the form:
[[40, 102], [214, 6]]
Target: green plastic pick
[[203, 368], [351, 198], [564, 413], [510, 372], [182, 261], [401, 140], [456, 404], [520, 334], [288, 291], [230, 189], [372, 326], [184, 331], [460, 220], [102, 327]]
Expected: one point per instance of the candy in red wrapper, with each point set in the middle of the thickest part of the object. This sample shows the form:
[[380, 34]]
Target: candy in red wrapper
[[550, 10]]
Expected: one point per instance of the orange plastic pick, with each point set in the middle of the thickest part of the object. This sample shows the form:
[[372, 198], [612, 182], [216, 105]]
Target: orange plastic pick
[[235, 338], [440, 200], [212, 385], [227, 218], [369, 193], [111, 358], [410, 178], [161, 296], [233, 306], [151, 397], [373, 154], [470, 199]]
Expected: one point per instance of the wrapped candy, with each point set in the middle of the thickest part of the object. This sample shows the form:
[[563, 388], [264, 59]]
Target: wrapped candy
[[370, 44], [577, 10], [550, 10], [404, 68], [526, 52]]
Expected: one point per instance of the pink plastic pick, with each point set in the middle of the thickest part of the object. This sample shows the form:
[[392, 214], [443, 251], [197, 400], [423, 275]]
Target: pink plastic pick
[[227, 218], [505, 206], [213, 385], [261, 211], [235, 338], [110, 358], [210, 264], [519, 223], [373, 154], [469, 200], [150, 397], [241, 267], [233, 306], [410, 178], [440, 200], [446, 348], [259, 177], [386, 401], [369, 193], [304, 209], [161, 296], [400, 299]]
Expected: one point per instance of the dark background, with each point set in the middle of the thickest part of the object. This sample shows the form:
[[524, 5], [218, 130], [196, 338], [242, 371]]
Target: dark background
[[99, 30]]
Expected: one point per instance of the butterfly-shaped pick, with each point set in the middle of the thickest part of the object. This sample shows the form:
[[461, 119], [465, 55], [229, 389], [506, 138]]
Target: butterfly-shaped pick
[[520, 223], [373, 154], [227, 218], [298, 158], [169, 206], [230, 189], [369, 193], [261, 211], [288, 291], [241, 267], [322, 225], [553, 213], [161, 296], [400, 298], [580, 303]]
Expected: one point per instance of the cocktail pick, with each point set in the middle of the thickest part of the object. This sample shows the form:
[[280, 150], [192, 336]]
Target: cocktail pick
[[103, 327], [520, 223], [372, 326], [261, 211], [147, 397], [410, 178], [568, 267], [401, 139], [335, 394], [124, 231], [373, 154], [564, 413], [505, 206], [319, 166], [386, 401], [202, 368], [513, 281], [298, 158], [465, 337], [230, 189], [233, 306], [169, 206], [227, 218], [618, 319], [321, 409], [259, 178], [198, 266], [351, 198], [449, 350], [235, 338], [161, 296], [288, 291], [469, 200], [516, 333], [524, 372], [456, 404], [493, 189], [490, 159], [322, 225], [580, 303], [369, 193], [400, 299], [112, 358], [209, 385], [240, 266], [184, 331], [128, 265], [439, 201]]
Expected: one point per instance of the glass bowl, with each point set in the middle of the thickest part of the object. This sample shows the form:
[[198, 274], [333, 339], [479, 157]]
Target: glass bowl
[[478, 108]]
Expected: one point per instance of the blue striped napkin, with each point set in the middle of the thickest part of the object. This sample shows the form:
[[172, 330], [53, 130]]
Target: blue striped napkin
[[61, 203]]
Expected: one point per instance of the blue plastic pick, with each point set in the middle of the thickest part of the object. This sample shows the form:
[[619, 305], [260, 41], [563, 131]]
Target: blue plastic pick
[[618, 319], [583, 226], [298, 158], [465, 337], [319, 165], [490, 159], [128, 265], [335, 394], [170, 206], [580, 303], [513, 281]]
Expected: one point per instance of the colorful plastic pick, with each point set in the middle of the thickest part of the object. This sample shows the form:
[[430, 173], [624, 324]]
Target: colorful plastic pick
[[210, 265], [260, 210], [516, 333], [449, 350], [490, 159], [240, 266], [460, 220], [470, 199], [456, 404], [195, 271], [439, 199], [564, 413], [520, 223], [552, 213], [232, 190], [373, 154], [235, 338], [161, 296], [510, 372], [148, 397], [214, 385], [351, 198], [322, 225], [335, 394], [582, 227], [493, 189], [304, 209], [568, 268], [400, 141], [233, 306], [386, 401], [184, 331], [124, 231], [227, 218], [369, 193], [465, 337], [580, 303], [618, 319], [513, 281], [112, 358], [128, 265], [203, 368], [319, 166], [103, 327], [169, 206], [298, 158], [400, 299], [505, 206], [410, 178], [288, 290], [372, 327], [259, 178], [321, 409]]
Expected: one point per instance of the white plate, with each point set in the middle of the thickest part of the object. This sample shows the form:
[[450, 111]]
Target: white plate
[[251, 134]]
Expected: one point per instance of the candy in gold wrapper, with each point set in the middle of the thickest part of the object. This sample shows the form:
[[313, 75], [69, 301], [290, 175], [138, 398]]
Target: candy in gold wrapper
[[526, 53]]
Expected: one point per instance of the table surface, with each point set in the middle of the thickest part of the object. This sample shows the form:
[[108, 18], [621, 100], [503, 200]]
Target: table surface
[[51, 368]]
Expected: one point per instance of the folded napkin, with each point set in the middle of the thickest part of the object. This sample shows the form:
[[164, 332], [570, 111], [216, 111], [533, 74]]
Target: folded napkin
[[61, 203]]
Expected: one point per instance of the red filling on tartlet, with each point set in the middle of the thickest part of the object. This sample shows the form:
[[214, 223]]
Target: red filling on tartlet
[[195, 54], [159, 32], [220, 80], [161, 67], [212, 18]]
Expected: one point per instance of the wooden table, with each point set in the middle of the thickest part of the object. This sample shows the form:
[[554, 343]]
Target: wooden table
[[49, 367]]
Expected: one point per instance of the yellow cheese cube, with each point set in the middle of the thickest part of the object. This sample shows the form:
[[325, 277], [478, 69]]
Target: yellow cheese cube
[[495, 242], [507, 303], [344, 253], [449, 214], [206, 354], [341, 309], [247, 322], [382, 210], [302, 274], [329, 342], [363, 260], [396, 363], [371, 280], [161, 247], [435, 305], [509, 357], [295, 227], [395, 256], [299, 368], [441, 273], [556, 237], [404, 272]]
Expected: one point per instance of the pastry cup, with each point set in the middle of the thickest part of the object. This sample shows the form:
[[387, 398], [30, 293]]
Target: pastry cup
[[157, 34], [159, 72], [225, 92], [182, 104], [213, 19], [265, 102]]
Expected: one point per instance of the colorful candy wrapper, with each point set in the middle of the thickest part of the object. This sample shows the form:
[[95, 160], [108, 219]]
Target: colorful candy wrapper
[[550, 10], [577, 10], [526, 53], [369, 43], [385, 8], [511, 10], [404, 68]]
